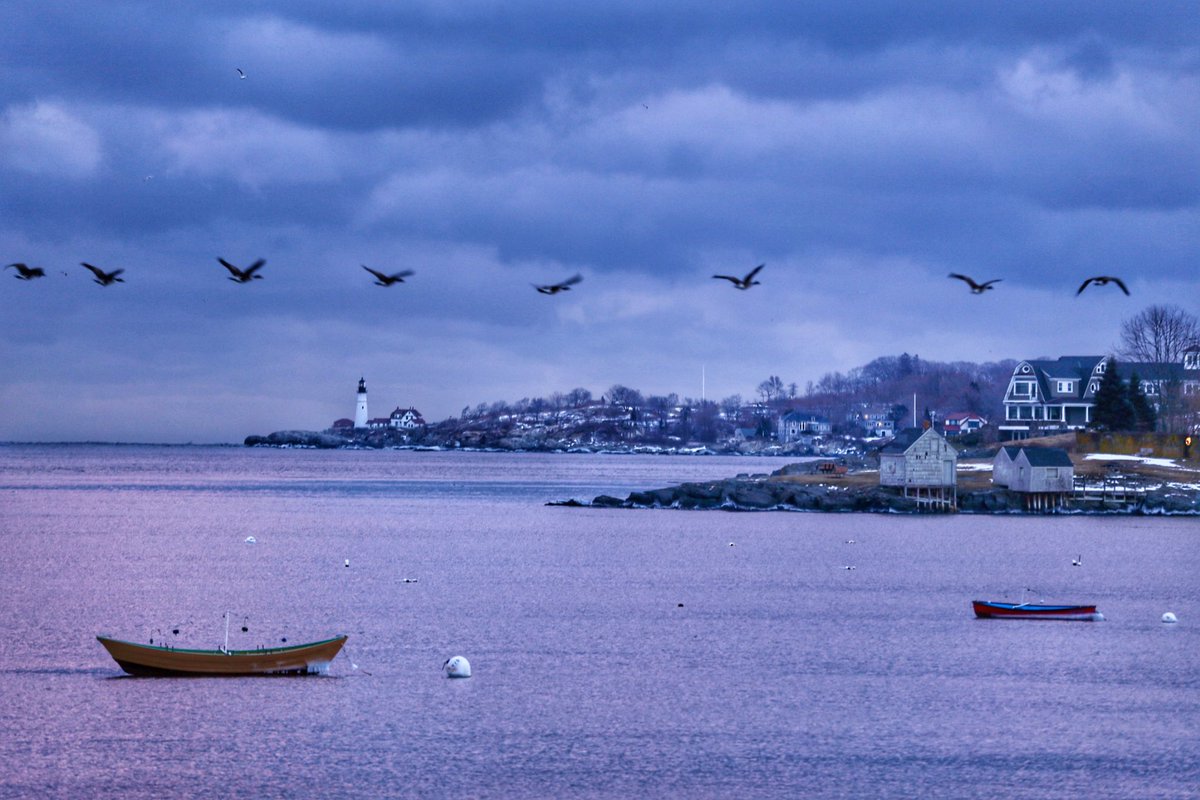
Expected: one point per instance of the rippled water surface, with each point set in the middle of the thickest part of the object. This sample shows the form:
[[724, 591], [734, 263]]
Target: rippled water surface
[[615, 653]]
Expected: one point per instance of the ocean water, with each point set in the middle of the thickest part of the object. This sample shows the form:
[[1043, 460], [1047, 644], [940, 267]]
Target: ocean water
[[616, 653]]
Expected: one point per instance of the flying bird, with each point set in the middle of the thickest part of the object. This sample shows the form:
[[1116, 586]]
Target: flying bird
[[387, 280], [241, 74], [976, 288], [103, 278], [1100, 280], [243, 275], [25, 273], [743, 283], [555, 288]]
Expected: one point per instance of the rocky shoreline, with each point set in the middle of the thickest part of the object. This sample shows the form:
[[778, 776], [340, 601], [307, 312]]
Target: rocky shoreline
[[777, 493]]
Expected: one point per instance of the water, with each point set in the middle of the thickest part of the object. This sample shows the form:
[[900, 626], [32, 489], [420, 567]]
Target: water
[[615, 653]]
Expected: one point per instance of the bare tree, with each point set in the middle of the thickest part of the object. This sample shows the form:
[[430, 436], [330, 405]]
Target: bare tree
[[1159, 334], [1163, 334]]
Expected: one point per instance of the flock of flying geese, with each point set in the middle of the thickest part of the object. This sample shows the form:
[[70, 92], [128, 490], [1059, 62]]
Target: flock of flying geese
[[250, 273]]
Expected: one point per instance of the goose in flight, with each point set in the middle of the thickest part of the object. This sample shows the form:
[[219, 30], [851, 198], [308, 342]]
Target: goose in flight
[[743, 283], [555, 288], [103, 278], [1100, 280], [243, 275], [387, 280], [976, 288], [241, 74], [26, 273]]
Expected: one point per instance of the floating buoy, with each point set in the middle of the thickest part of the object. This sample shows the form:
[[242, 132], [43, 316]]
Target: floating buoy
[[731, 544], [457, 667], [1170, 618], [250, 540], [347, 562]]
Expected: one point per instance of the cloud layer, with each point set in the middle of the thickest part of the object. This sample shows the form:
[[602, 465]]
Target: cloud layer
[[862, 151]]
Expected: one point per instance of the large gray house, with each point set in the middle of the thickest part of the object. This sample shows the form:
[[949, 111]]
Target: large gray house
[[1045, 397]]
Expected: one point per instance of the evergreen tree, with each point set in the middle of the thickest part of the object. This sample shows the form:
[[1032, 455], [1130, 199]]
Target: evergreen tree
[[1144, 417], [1113, 410]]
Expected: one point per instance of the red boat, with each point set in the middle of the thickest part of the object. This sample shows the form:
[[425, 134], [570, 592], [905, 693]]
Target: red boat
[[989, 609]]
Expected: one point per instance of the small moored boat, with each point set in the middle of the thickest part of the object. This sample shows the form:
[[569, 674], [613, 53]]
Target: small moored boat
[[989, 609], [301, 659]]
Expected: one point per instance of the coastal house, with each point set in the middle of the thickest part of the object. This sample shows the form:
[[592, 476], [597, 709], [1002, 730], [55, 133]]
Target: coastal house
[[405, 419], [797, 425], [923, 464], [961, 422], [1046, 397], [1043, 476], [876, 419]]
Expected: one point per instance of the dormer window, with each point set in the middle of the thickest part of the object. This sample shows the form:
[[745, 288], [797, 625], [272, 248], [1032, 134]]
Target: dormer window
[[1191, 360], [1065, 387], [1101, 367], [1022, 389]]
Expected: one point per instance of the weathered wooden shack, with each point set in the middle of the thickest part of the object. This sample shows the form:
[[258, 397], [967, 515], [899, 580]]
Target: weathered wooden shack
[[1002, 464], [924, 464]]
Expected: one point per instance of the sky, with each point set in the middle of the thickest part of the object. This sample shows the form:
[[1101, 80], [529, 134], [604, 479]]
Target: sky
[[861, 150]]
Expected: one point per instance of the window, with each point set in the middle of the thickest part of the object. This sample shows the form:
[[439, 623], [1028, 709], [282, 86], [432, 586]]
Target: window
[[1051, 472], [1191, 360], [1010, 412], [1093, 387], [1054, 412], [1022, 388], [1101, 367], [1065, 387]]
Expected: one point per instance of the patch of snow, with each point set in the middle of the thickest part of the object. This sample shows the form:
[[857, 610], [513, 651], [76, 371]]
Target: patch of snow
[[1154, 462], [984, 467]]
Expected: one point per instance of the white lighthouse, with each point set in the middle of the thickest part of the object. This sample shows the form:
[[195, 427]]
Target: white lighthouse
[[360, 408]]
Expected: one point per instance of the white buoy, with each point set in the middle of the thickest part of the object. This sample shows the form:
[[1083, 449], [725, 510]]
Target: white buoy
[[347, 562], [457, 667], [250, 540], [1170, 618]]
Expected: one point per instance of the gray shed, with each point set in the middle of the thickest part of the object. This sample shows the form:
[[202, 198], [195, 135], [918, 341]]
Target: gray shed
[[922, 462], [1042, 469]]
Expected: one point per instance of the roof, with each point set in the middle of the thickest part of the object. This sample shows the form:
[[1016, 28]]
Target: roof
[[1047, 457], [903, 440], [962, 415], [343, 423], [805, 416]]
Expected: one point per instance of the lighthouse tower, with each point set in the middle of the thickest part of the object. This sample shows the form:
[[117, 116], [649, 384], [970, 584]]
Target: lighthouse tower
[[360, 408]]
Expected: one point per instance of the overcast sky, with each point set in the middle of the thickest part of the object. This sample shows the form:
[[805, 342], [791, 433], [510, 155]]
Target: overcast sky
[[863, 151]]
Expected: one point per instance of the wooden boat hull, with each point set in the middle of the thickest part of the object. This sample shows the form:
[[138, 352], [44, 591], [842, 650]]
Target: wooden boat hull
[[149, 660], [987, 609]]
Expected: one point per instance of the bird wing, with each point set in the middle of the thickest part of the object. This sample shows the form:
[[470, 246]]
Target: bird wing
[[1120, 283], [571, 281], [237, 273], [753, 272], [728, 278], [989, 283], [1083, 286], [404, 273], [250, 270], [964, 278], [115, 273], [99, 273]]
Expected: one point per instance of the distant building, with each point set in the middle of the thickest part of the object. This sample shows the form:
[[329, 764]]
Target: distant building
[[961, 422], [796, 425], [343, 425], [406, 419], [875, 418], [1046, 397], [1002, 464], [924, 464]]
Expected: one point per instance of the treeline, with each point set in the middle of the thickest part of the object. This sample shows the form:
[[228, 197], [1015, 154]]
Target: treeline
[[888, 382]]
